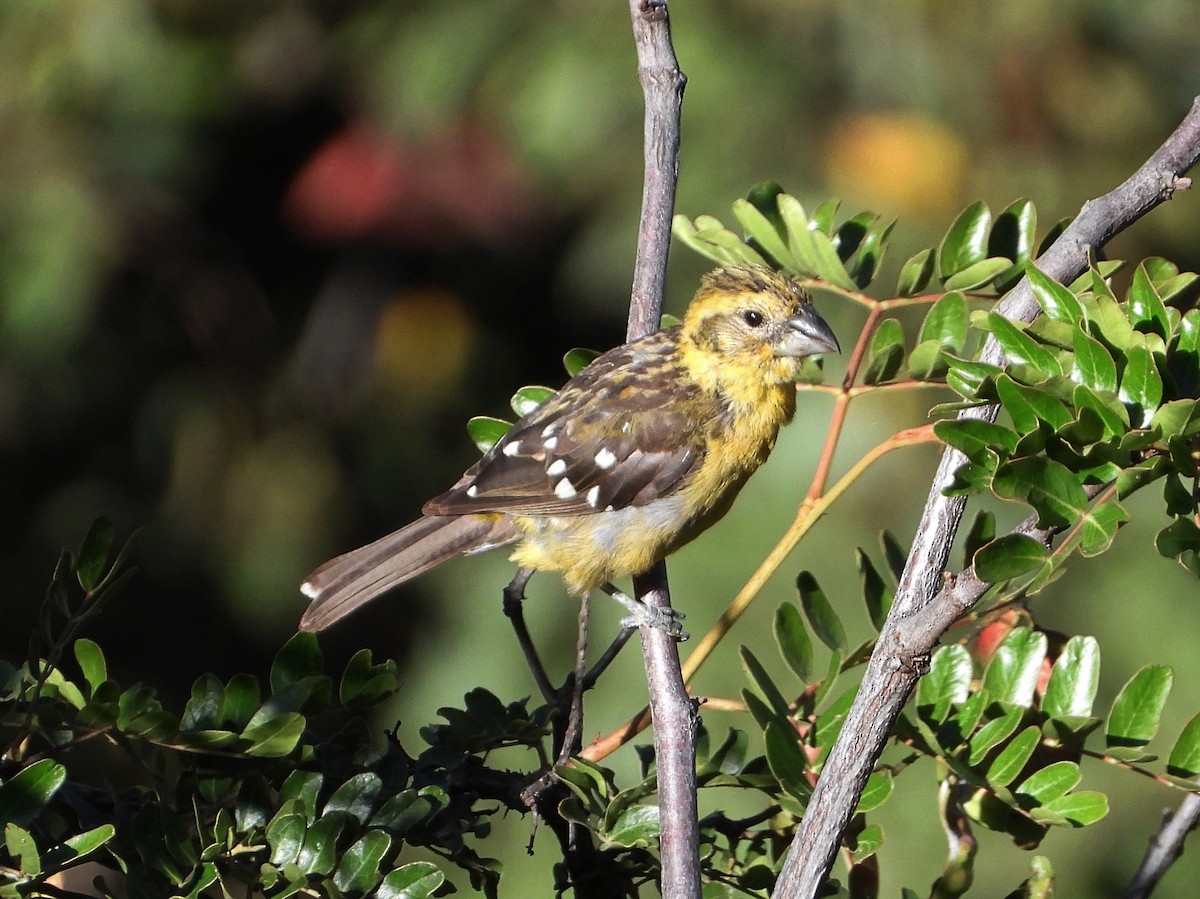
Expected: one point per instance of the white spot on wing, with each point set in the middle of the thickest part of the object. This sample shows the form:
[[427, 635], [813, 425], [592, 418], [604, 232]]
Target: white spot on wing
[[550, 443], [606, 458], [550, 429], [557, 467], [593, 496], [564, 489], [472, 491], [511, 449]]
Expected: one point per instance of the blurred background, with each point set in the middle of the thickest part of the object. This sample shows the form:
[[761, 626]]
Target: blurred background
[[260, 262]]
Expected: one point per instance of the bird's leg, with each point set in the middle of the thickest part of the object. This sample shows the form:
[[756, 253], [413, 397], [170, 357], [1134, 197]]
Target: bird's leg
[[642, 615], [514, 599]]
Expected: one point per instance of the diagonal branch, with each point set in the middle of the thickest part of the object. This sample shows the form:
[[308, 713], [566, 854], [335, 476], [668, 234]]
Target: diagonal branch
[[893, 669]]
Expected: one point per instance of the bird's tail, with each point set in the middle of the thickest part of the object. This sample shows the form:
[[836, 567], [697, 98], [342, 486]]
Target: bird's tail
[[343, 584]]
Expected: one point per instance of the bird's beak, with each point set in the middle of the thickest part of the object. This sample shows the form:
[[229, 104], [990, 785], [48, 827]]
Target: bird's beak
[[806, 334]]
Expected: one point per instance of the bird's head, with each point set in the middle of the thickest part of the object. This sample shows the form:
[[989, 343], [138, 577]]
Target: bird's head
[[753, 316]]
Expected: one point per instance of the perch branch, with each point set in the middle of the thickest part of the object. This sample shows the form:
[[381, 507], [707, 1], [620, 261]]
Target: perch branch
[[675, 717], [892, 673]]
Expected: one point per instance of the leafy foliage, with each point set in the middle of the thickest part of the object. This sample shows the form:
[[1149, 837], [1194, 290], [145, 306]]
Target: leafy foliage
[[279, 788]]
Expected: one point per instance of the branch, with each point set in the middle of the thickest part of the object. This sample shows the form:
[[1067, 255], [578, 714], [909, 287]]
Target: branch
[[675, 717], [893, 669], [1165, 847]]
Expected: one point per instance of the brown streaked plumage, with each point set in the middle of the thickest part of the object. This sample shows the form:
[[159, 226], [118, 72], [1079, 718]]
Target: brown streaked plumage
[[636, 455]]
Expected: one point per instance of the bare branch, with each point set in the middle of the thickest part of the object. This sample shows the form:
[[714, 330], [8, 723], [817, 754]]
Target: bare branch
[[674, 711], [1165, 847], [893, 669]]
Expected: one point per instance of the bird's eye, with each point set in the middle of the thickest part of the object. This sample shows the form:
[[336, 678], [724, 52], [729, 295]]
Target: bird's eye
[[752, 317]]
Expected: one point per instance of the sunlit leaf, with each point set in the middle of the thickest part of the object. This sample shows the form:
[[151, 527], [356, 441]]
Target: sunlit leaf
[[1136, 711], [1074, 679]]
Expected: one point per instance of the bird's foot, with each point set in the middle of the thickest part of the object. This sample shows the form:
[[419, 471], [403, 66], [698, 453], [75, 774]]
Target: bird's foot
[[641, 615]]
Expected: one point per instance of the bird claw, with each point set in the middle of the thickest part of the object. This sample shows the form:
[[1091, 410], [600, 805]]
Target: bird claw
[[665, 620]]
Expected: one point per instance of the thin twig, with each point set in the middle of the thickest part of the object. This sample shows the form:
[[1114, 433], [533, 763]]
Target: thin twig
[[1165, 847], [675, 718], [909, 632]]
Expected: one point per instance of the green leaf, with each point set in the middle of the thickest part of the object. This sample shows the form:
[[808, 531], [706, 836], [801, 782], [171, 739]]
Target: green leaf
[[365, 684], [1114, 327], [763, 682], [529, 398], [869, 249], [1008, 557], [577, 359], [1056, 300], [765, 234], [1051, 488], [275, 737], [866, 843], [946, 322], [1094, 365], [637, 825], [21, 845], [1141, 385], [812, 249], [1014, 757], [994, 733], [1014, 234], [285, 837], [299, 658], [485, 431], [1147, 313], [1020, 348], [1099, 528], [416, 880], [242, 699], [358, 870], [786, 759], [978, 273], [793, 640], [966, 241], [1012, 674], [915, 274], [1179, 537], [1178, 418], [973, 437], [1185, 754], [93, 555], [949, 678], [1135, 714], [885, 354], [1015, 403], [877, 594], [1051, 782], [356, 797], [708, 237], [1111, 412], [1074, 679], [824, 620], [27, 793], [879, 787], [91, 662], [203, 709], [1081, 808], [318, 854]]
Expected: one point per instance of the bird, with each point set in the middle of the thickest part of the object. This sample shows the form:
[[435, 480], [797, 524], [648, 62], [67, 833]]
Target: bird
[[637, 454]]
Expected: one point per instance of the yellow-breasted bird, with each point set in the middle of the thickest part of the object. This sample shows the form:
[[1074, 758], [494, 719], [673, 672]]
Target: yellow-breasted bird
[[636, 455]]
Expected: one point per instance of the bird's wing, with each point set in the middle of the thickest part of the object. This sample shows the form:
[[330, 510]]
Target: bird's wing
[[621, 433]]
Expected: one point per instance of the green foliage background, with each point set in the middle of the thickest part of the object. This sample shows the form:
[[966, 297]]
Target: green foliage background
[[258, 264]]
